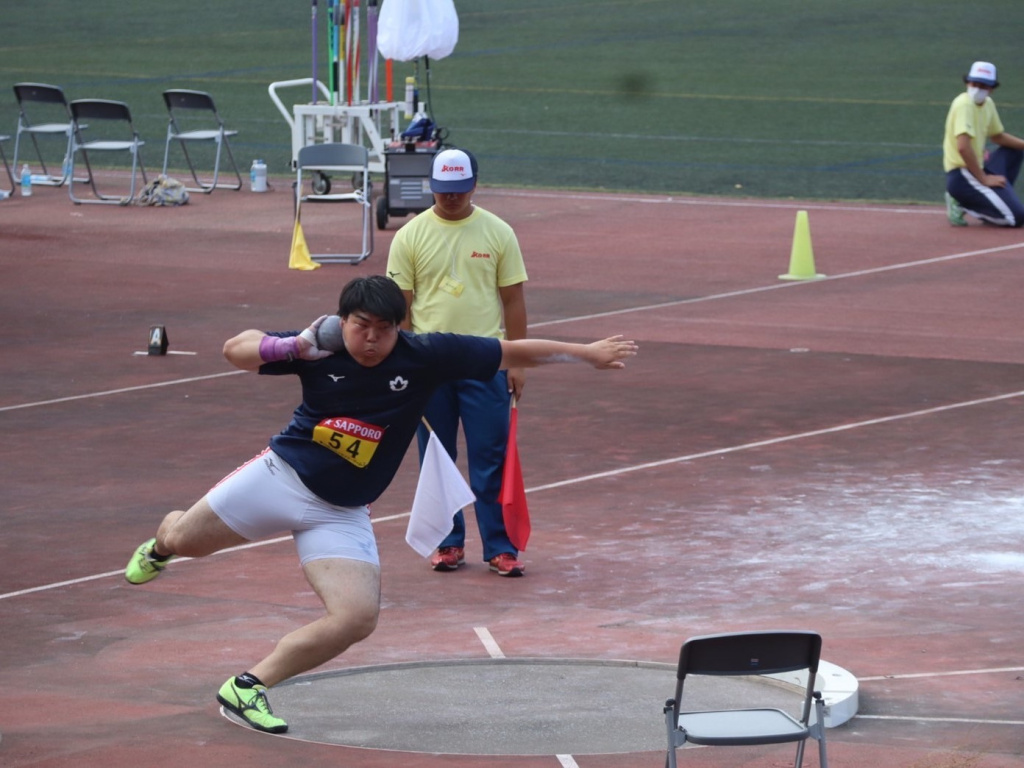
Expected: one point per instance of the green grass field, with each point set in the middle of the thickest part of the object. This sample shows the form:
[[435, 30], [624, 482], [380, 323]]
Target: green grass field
[[761, 98]]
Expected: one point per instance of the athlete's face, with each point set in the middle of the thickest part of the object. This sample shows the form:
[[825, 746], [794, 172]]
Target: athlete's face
[[368, 338]]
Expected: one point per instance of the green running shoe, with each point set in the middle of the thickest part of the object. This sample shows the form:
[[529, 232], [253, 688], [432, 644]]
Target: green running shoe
[[142, 567], [955, 212], [251, 705]]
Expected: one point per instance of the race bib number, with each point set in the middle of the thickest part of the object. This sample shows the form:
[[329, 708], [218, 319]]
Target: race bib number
[[355, 441]]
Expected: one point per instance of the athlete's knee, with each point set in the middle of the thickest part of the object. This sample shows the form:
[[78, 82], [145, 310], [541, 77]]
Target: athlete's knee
[[362, 621], [352, 625]]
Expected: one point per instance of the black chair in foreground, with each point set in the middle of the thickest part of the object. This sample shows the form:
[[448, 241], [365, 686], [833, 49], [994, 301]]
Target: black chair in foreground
[[111, 130], [748, 654], [193, 117]]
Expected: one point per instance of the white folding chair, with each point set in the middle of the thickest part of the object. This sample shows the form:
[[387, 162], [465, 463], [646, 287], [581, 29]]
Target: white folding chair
[[193, 117], [111, 124], [748, 654], [319, 161]]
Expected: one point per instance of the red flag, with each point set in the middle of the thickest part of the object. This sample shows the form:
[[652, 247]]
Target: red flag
[[513, 495]]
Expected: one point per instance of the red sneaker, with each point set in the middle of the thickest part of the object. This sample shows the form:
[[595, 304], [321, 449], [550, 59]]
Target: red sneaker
[[506, 565], [448, 558]]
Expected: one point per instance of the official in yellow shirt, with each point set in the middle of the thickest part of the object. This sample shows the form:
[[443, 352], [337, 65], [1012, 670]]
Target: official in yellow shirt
[[461, 270], [975, 183]]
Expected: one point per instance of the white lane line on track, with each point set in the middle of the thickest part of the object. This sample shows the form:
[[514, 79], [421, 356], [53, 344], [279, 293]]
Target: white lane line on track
[[778, 440], [567, 761], [120, 391], [911, 718], [580, 318], [780, 286], [613, 473], [953, 673], [490, 644]]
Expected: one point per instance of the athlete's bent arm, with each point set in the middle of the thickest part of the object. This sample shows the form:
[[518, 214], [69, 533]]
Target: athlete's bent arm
[[243, 350], [250, 349]]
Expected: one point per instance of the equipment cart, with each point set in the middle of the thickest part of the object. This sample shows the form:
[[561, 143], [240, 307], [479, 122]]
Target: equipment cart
[[406, 179]]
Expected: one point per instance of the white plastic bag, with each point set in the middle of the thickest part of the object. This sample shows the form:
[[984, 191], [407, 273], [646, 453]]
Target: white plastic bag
[[408, 29]]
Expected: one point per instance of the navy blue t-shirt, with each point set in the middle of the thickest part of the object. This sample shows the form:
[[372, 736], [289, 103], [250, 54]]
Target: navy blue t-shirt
[[349, 435]]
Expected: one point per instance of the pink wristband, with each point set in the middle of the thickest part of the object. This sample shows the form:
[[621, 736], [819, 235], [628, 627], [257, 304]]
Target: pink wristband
[[274, 348]]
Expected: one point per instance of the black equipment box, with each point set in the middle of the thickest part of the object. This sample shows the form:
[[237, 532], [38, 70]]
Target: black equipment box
[[406, 180]]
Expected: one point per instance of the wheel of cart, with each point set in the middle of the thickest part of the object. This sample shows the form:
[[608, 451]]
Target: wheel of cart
[[320, 185]]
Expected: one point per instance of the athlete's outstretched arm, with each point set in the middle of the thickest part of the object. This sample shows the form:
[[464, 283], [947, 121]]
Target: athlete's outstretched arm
[[529, 353]]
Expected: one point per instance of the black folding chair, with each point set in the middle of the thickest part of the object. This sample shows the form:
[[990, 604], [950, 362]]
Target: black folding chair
[[748, 654], [193, 117]]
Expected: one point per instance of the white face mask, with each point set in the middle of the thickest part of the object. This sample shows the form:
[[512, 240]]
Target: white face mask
[[978, 95]]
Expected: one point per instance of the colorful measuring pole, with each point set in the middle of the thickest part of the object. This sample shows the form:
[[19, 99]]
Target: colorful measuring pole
[[371, 51], [336, 37], [314, 51], [354, 93]]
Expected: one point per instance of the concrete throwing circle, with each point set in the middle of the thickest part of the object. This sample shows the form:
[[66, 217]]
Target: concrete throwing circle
[[503, 706]]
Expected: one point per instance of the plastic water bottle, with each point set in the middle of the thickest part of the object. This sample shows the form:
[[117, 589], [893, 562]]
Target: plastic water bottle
[[258, 176], [26, 181], [410, 97]]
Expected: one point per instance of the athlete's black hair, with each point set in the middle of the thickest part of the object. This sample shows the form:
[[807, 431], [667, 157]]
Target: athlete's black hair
[[375, 295]]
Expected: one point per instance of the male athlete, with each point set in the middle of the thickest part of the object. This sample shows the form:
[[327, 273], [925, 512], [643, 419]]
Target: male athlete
[[360, 409]]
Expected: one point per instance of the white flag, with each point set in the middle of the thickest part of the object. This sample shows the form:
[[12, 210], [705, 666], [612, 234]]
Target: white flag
[[440, 493]]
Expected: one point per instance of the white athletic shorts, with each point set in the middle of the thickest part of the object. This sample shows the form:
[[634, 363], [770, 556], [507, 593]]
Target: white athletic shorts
[[265, 497]]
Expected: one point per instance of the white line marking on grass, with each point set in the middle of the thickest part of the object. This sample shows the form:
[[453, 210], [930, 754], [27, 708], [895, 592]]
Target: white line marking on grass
[[489, 642], [672, 200], [674, 137]]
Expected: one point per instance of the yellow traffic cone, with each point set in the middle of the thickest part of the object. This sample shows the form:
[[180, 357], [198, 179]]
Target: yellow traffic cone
[[801, 258], [300, 258]]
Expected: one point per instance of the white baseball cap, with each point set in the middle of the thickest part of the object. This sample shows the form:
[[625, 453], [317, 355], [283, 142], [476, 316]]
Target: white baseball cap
[[983, 72], [454, 170]]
